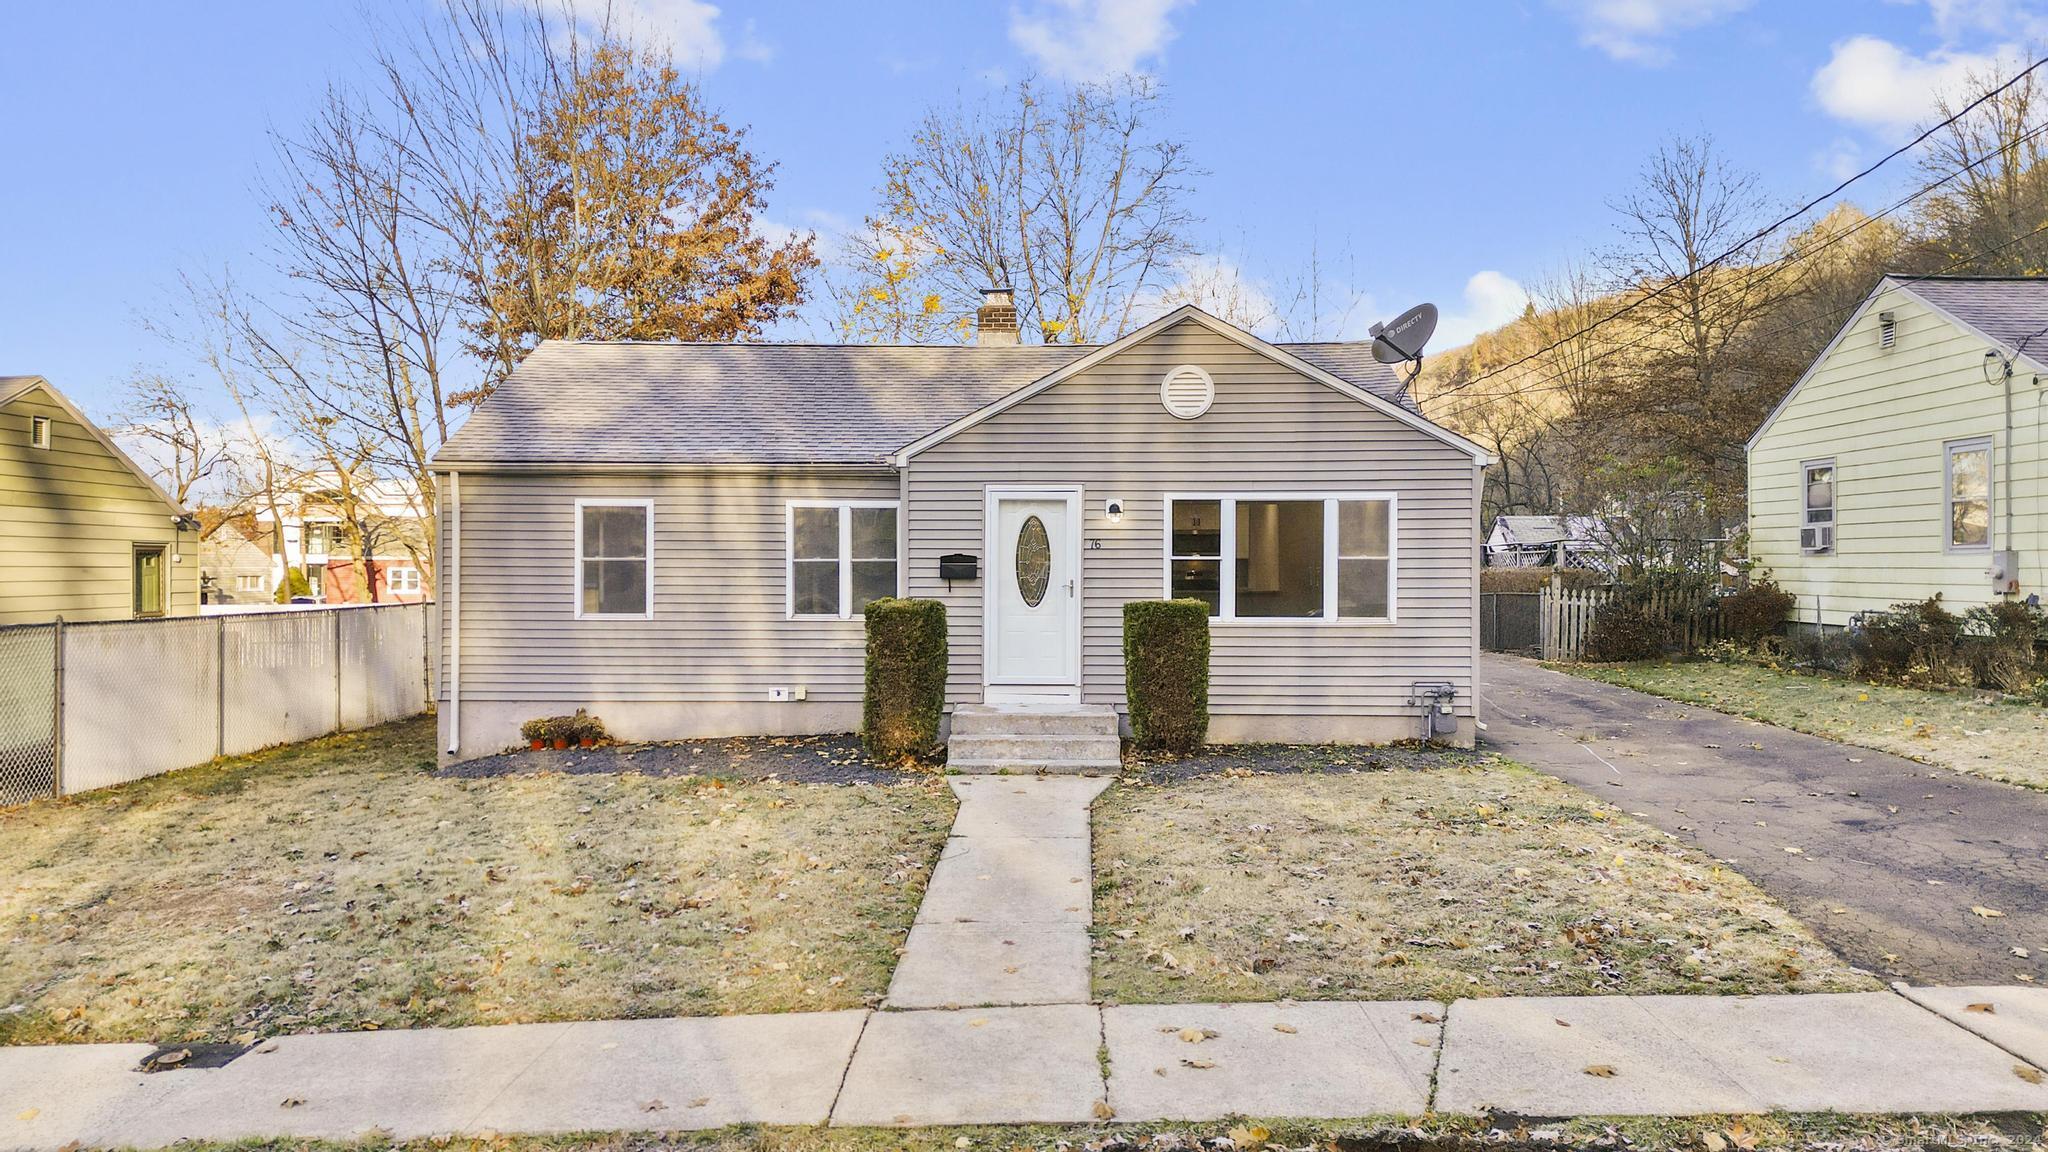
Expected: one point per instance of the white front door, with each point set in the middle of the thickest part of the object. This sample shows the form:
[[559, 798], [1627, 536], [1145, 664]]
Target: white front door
[[1033, 592]]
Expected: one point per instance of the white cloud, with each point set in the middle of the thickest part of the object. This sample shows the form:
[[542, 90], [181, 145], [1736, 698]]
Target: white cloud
[[1841, 159], [1636, 31], [689, 28], [1093, 39], [1491, 300], [752, 48], [1875, 83], [1998, 19]]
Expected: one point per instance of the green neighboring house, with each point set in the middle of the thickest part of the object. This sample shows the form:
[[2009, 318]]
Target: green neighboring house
[[1908, 461], [85, 534]]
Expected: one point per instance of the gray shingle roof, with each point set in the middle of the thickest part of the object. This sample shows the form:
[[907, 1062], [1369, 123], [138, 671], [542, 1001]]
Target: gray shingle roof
[[636, 403], [2012, 310]]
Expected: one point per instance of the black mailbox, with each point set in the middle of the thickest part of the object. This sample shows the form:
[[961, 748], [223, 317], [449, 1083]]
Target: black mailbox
[[959, 566]]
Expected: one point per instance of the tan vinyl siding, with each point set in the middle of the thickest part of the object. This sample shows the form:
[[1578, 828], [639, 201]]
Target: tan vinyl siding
[[70, 517], [719, 631], [1884, 417], [1270, 429]]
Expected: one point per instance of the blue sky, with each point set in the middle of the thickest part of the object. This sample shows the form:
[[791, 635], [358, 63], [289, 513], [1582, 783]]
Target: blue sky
[[1440, 151]]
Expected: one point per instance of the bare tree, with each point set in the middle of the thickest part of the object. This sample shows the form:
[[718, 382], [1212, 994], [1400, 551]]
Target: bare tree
[[1074, 199], [183, 447], [1682, 391], [1985, 218]]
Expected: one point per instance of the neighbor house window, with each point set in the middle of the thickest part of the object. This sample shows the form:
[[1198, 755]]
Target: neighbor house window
[[249, 583], [1285, 556], [1968, 485], [1817, 524], [840, 555], [39, 431], [404, 581], [614, 558]]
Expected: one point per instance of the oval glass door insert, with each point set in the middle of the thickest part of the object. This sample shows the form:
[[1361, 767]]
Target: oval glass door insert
[[1034, 560]]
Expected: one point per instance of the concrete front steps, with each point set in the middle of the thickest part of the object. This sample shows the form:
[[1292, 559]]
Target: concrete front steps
[[1076, 738]]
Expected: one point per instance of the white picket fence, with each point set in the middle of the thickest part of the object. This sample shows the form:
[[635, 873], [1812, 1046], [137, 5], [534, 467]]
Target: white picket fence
[[84, 706], [1565, 616]]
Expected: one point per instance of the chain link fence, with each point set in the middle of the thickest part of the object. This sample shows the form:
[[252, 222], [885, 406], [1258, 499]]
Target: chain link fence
[[28, 712], [84, 706]]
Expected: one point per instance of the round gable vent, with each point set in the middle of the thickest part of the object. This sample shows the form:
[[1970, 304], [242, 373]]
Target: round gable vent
[[1187, 391]]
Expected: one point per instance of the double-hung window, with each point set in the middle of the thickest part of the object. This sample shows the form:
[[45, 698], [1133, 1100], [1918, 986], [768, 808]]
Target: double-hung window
[[1817, 501], [1966, 479], [1286, 556], [841, 554], [614, 559]]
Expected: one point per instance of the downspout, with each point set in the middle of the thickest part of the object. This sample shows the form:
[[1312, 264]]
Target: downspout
[[451, 588], [2010, 452]]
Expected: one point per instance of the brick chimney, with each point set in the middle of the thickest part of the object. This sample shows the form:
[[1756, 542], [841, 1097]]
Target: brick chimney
[[996, 323]]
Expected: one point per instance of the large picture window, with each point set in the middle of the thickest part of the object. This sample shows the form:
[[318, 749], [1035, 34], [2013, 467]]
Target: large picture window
[[1284, 556], [841, 555], [1968, 485], [614, 558]]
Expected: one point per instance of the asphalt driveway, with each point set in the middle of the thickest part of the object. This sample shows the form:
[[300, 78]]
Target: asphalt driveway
[[1883, 857]]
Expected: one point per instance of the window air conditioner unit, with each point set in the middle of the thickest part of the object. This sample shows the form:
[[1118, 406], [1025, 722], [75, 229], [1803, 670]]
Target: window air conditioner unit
[[1820, 538]]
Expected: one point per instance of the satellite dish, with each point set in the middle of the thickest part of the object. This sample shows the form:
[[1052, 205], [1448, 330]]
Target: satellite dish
[[1402, 339]]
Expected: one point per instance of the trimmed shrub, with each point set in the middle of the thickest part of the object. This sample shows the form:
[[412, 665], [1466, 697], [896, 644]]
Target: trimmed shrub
[[2002, 642], [1621, 631], [906, 682], [1512, 580], [1912, 644], [1756, 612], [1166, 673], [293, 584]]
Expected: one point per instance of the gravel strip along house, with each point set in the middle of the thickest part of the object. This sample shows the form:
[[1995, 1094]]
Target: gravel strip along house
[[680, 538]]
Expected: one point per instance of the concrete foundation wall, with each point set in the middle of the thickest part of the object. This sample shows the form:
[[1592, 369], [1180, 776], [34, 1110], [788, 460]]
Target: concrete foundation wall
[[492, 726]]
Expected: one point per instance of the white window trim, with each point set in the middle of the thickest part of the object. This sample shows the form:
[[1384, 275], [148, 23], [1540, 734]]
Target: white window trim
[[1226, 608], [42, 432], [576, 575], [1948, 495], [846, 557], [412, 582], [1834, 502]]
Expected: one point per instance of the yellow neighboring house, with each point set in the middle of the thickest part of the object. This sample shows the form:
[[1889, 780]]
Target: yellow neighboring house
[[1908, 461], [84, 532]]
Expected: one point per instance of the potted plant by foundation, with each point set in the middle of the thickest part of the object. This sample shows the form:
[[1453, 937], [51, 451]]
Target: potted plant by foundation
[[589, 730], [536, 732]]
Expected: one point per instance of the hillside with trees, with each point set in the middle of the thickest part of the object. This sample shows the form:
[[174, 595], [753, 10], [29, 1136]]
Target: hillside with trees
[[1630, 385]]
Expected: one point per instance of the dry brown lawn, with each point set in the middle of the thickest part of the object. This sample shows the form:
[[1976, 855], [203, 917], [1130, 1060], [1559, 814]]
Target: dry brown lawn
[[340, 884], [1469, 879], [1961, 731]]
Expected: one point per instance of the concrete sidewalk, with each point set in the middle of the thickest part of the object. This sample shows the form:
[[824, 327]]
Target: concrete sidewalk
[[1915, 1050]]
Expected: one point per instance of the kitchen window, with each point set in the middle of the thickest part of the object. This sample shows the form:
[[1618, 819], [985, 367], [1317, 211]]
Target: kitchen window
[[1284, 556], [614, 559], [839, 556]]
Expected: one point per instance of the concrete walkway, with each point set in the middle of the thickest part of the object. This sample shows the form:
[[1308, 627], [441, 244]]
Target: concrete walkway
[[1005, 918], [1892, 855], [1914, 1050]]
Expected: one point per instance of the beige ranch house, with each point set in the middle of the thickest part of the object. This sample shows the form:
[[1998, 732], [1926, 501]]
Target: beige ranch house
[[1908, 460], [681, 537], [85, 534]]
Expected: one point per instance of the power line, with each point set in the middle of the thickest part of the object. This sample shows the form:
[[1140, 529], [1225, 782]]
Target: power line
[[1755, 275], [1759, 234], [1953, 264]]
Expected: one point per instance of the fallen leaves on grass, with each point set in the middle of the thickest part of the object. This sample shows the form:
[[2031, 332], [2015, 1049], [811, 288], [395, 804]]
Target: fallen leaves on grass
[[1470, 879], [1986, 913], [339, 884]]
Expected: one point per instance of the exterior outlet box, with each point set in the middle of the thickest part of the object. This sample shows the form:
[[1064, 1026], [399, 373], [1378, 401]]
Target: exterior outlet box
[[801, 692], [2004, 572]]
